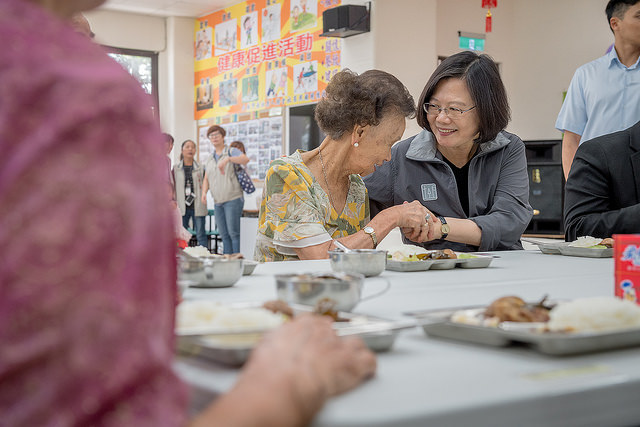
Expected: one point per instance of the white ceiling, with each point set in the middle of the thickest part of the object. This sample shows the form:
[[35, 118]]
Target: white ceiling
[[190, 8]]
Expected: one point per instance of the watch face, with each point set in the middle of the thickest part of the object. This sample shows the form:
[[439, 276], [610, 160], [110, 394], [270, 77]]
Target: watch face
[[368, 229], [445, 228]]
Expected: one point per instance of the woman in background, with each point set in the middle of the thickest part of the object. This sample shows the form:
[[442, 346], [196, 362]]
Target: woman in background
[[220, 177], [465, 168], [311, 198], [188, 176]]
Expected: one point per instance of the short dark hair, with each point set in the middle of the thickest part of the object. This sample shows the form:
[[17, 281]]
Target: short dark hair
[[239, 145], [618, 8], [216, 128], [353, 99], [487, 91]]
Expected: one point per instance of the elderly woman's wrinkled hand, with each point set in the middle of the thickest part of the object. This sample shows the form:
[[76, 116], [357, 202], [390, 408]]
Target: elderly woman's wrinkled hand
[[310, 362], [415, 221]]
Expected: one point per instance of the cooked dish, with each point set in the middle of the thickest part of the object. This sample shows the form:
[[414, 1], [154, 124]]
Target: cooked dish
[[515, 309], [592, 242]]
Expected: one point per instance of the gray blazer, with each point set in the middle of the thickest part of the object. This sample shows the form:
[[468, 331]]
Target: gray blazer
[[498, 188]]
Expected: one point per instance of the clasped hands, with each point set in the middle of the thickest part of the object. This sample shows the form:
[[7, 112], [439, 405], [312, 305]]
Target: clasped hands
[[418, 223]]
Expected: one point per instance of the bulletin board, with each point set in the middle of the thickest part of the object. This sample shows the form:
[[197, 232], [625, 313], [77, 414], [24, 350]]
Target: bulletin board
[[261, 132]]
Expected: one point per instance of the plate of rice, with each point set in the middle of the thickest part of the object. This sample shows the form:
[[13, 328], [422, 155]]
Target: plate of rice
[[588, 246], [574, 327]]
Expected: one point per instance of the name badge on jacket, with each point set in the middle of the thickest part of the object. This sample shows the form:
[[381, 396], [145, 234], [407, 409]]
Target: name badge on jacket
[[429, 192]]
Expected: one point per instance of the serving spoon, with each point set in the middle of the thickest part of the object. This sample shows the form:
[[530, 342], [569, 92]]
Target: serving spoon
[[342, 247]]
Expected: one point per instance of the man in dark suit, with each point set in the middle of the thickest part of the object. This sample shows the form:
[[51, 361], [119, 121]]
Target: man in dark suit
[[602, 195]]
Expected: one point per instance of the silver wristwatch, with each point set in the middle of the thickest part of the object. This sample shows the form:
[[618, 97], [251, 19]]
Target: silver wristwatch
[[372, 233]]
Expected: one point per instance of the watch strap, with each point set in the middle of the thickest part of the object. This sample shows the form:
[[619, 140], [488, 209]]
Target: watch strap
[[443, 221], [372, 233]]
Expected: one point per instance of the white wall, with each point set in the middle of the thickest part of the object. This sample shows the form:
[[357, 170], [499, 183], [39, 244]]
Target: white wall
[[538, 44], [172, 39]]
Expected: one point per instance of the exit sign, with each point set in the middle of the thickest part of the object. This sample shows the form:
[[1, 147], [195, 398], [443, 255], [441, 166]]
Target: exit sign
[[471, 43]]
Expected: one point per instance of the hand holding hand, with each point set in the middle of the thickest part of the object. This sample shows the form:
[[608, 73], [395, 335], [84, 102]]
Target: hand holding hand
[[415, 221]]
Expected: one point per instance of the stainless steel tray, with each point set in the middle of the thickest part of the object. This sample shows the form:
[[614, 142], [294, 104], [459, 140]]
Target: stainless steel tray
[[421, 265], [437, 323], [479, 261], [551, 248], [233, 347], [586, 252], [248, 266]]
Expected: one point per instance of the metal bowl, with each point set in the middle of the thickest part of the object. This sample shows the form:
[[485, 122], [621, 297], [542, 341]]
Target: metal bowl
[[369, 262], [308, 289], [210, 272]]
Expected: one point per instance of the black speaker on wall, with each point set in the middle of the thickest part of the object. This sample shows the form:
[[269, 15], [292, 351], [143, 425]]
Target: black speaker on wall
[[345, 21]]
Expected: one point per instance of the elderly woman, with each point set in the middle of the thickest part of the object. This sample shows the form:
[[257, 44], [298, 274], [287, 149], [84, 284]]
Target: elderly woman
[[311, 198], [188, 188], [469, 172], [220, 177]]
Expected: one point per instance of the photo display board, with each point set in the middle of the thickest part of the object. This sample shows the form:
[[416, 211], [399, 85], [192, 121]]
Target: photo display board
[[260, 132]]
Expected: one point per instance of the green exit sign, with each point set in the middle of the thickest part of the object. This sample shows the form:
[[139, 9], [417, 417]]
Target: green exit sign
[[471, 43]]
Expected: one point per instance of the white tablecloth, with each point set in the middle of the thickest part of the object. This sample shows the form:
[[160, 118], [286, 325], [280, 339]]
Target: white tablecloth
[[427, 381]]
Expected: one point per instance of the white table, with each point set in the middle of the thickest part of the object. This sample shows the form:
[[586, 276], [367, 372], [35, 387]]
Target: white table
[[427, 381]]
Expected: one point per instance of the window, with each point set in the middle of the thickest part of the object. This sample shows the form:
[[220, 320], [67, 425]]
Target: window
[[141, 64]]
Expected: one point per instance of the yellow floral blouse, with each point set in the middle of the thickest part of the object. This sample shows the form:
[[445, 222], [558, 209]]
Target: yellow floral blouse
[[296, 212]]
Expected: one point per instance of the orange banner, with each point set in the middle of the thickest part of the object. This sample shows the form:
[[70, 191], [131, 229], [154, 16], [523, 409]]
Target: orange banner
[[261, 54]]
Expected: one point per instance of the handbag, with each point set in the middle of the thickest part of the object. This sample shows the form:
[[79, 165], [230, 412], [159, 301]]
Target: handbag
[[244, 179]]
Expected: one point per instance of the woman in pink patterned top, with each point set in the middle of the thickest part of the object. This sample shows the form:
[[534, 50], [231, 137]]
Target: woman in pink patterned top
[[87, 278]]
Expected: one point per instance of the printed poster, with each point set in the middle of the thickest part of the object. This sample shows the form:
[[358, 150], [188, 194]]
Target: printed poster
[[262, 54]]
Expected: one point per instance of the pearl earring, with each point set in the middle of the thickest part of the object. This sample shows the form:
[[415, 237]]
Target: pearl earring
[[356, 145]]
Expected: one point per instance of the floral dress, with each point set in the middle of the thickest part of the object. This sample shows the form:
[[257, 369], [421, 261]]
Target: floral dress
[[296, 211]]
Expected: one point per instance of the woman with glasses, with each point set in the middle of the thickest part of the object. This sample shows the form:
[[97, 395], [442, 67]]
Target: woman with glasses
[[220, 178], [463, 166], [188, 187], [314, 197]]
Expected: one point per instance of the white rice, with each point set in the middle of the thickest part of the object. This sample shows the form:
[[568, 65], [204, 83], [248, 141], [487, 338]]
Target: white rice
[[585, 242], [403, 252], [594, 315], [197, 251], [190, 314]]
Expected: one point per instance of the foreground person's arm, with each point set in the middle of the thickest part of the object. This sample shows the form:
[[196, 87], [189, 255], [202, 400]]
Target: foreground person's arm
[[290, 375], [570, 142]]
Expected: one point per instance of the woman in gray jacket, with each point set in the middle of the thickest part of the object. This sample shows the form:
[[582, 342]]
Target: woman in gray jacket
[[463, 167], [188, 177]]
